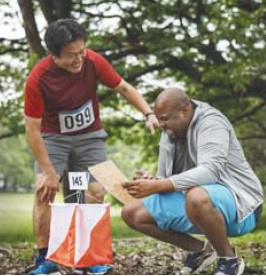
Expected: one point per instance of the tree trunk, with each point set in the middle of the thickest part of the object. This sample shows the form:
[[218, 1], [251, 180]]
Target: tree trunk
[[47, 8], [32, 34], [62, 8], [5, 187]]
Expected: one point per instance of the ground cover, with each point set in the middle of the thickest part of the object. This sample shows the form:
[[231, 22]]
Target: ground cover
[[133, 253]]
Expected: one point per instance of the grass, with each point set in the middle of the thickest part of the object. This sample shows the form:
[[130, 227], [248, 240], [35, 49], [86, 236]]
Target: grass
[[16, 220], [15, 217]]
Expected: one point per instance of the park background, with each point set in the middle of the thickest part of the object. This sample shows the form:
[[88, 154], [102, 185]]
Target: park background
[[214, 49]]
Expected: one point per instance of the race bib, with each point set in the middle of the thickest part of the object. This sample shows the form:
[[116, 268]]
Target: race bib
[[77, 119]]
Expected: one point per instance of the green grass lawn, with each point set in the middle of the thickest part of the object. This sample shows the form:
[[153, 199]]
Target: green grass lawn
[[16, 220], [16, 224], [15, 217]]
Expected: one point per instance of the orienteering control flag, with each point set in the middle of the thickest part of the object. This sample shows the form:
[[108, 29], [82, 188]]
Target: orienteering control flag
[[80, 235]]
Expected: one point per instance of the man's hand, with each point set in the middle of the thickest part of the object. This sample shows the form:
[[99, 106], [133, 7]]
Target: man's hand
[[47, 184], [144, 187], [141, 187], [152, 123]]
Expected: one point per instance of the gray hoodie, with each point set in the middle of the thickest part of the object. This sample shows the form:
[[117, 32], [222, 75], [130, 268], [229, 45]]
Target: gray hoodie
[[218, 157]]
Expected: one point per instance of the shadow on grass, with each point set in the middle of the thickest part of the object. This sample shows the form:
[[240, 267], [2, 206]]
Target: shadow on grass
[[262, 223]]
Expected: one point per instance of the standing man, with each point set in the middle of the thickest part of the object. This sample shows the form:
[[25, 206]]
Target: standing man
[[204, 185], [63, 126]]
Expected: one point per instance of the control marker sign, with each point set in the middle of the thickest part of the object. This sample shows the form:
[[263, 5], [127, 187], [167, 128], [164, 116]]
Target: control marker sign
[[78, 180]]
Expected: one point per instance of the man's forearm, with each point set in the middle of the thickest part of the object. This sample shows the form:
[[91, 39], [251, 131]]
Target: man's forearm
[[133, 97], [39, 151], [163, 185]]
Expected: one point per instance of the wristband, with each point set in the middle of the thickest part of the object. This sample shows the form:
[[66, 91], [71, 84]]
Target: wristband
[[148, 114]]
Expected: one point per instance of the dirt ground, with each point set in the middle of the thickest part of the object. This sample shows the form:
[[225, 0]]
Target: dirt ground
[[141, 256]]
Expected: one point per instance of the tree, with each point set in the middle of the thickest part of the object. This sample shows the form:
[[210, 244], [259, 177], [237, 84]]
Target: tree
[[214, 48], [16, 164]]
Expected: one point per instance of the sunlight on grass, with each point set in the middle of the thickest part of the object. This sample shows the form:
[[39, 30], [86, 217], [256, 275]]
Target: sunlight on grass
[[16, 222], [16, 219]]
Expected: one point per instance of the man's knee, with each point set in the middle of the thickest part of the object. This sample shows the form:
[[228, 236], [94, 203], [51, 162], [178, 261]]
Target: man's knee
[[197, 200], [128, 214], [95, 193], [135, 215]]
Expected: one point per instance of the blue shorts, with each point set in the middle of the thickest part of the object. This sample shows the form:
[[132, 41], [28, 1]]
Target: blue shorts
[[169, 212]]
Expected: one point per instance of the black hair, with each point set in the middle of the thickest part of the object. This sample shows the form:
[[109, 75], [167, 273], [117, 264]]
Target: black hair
[[61, 33]]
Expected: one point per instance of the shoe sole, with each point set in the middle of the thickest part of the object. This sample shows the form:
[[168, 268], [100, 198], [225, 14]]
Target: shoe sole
[[241, 267]]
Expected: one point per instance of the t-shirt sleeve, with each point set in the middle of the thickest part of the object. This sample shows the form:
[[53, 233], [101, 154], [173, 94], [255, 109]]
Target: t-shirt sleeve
[[105, 72], [33, 101]]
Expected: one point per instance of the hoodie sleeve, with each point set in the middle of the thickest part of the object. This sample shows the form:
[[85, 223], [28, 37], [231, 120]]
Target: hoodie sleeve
[[166, 157], [212, 146]]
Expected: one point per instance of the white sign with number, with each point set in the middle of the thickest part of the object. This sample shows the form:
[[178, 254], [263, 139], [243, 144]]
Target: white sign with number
[[78, 180]]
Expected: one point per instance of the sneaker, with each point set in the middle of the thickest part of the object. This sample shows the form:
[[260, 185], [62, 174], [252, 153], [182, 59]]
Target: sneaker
[[43, 267], [98, 269], [39, 260], [231, 266], [198, 261]]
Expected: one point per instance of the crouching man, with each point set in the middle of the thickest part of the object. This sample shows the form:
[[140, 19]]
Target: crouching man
[[204, 185]]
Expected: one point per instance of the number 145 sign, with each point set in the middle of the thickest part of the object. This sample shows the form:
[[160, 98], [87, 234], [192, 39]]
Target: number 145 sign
[[78, 180]]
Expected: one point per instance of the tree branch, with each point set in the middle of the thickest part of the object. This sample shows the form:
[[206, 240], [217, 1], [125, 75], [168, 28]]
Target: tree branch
[[253, 111], [259, 123], [248, 5], [12, 50], [10, 134]]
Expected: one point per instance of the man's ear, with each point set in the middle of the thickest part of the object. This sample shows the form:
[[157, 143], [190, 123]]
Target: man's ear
[[185, 109]]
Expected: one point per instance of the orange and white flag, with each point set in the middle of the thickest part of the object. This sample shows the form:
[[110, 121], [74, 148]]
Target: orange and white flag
[[80, 235]]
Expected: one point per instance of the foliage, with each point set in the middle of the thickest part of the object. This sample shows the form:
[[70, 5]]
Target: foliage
[[16, 163], [213, 48]]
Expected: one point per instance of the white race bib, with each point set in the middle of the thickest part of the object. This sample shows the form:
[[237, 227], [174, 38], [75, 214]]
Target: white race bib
[[77, 119]]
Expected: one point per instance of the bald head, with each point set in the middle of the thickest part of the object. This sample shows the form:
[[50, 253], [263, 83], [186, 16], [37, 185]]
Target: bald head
[[174, 112], [172, 97]]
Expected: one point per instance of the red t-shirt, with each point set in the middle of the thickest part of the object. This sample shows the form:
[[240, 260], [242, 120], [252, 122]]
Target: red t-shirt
[[67, 102]]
